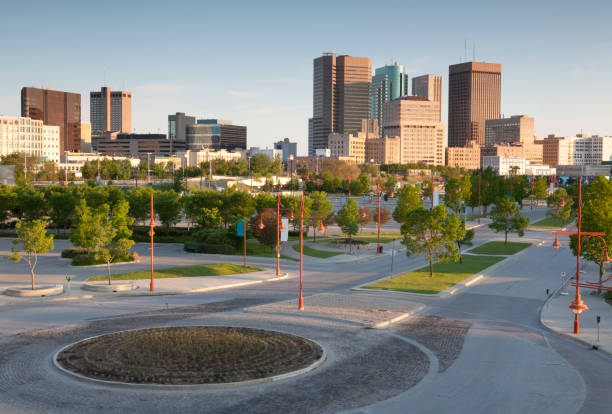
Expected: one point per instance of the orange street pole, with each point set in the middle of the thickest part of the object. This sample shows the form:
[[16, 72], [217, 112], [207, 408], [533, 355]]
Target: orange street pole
[[152, 233], [278, 235], [378, 238], [301, 299]]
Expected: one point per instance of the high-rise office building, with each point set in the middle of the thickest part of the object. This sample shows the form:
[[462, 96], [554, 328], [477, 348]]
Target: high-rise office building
[[56, 108], [111, 110], [29, 136], [177, 127], [414, 119], [388, 83], [474, 95], [216, 134], [517, 128], [430, 87], [341, 96]]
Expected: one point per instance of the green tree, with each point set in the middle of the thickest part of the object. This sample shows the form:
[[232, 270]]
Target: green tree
[[199, 206], [348, 218], [30, 204], [260, 164], [457, 190], [596, 217], [467, 239], [139, 199], [433, 232], [237, 205], [8, 200], [321, 207], [62, 204], [408, 199], [167, 206], [266, 235], [540, 188], [34, 240], [506, 217], [560, 204]]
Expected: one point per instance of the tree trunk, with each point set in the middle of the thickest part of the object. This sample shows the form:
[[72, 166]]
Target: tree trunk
[[430, 263], [602, 271], [31, 269]]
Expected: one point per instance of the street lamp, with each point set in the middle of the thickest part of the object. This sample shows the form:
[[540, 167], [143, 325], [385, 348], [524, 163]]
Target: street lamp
[[578, 306], [279, 227], [151, 234]]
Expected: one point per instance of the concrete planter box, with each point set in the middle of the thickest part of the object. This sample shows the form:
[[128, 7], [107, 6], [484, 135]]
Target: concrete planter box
[[28, 292], [105, 287]]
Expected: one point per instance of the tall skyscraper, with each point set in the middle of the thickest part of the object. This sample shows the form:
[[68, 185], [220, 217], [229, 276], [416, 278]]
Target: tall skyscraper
[[474, 95], [388, 83], [430, 87], [111, 110], [57, 108], [341, 96]]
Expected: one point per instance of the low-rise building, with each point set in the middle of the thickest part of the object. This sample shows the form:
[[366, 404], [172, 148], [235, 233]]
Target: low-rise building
[[517, 128], [383, 150], [287, 147], [29, 136], [504, 165], [347, 146], [467, 157], [72, 162], [195, 158], [138, 145]]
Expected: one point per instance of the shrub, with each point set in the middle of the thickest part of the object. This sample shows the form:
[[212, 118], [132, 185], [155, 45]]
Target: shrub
[[214, 241], [72, 252], [209, 248], [89, 259]]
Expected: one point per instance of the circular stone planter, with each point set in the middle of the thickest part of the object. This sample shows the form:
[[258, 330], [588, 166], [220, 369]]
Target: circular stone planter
[[28, 292], [189, 357], [105, 287]]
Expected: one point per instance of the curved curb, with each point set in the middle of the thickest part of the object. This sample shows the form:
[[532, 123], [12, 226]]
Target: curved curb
[[27, 292], [106, 288], [127, 385]]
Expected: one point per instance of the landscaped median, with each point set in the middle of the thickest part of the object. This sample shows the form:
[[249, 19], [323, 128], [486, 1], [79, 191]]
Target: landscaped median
[[217, 269], [445, 276], [322, 254], [499, 247], [552, 223]]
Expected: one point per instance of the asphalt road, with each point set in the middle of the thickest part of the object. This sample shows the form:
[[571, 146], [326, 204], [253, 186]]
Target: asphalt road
[[482, 350]]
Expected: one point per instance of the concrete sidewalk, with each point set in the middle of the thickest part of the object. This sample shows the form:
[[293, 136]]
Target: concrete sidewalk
[[167, 286], [558, 317]]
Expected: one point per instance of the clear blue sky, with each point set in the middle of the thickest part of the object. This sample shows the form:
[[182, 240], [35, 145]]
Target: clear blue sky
[[251, 61]]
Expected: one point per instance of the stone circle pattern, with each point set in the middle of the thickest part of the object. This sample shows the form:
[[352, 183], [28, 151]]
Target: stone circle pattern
[[189, 355]]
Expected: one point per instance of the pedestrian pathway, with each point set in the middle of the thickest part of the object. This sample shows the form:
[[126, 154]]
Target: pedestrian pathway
[[557, 316]]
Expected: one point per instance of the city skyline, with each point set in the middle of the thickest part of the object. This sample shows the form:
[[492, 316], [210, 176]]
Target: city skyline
[[555, 73]]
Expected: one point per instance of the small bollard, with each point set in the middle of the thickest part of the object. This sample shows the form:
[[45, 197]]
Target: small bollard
[[547, 292], [68, 279]]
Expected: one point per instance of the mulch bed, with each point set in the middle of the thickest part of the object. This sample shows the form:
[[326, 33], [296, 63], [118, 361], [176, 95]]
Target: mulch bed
[[189, 355]]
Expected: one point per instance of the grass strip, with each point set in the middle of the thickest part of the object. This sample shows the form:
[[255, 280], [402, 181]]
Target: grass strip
[[499, 247], [445, 276], [552, 223], [217, 269], [309, 251]]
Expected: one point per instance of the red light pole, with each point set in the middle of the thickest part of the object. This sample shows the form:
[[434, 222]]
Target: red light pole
[[578, 306], [152, 233], [479, 210], [378, 237]]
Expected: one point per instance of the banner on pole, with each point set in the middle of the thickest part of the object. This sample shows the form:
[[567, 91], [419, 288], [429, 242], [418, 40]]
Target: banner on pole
[[240, 229], [284, 236]]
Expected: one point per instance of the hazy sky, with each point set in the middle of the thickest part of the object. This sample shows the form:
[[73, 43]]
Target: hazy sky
[[251, 61]]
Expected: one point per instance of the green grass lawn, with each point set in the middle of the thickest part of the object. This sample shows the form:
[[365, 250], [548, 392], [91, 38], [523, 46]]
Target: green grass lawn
[[217, 269], [499, 247], [309, 251], [552, 223], [254, 248], [445, 276], [367, 239]]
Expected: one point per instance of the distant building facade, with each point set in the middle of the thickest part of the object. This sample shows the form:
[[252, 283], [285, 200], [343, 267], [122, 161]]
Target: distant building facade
[[287, 147], [517, 128], [504, 165], [388, 83], [347, 145], [414, 119], [215, 134], [137, 145], [55, 108], [110, 110], [577, 150], [86, 137], [341, 96], [467, 157], [474, 95], [429, 86], [29, 136]]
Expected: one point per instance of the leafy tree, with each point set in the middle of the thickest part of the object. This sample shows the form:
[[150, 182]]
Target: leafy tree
[[237, 205], [260, 164], [385, 216], [266, 235], [8, 200], [24, 164], [348, 218], [30, 204], [456, 190], [467, 239], [434, 232], [48, 172], [167, 205], [409, 198], [33, 237], [321, 207], [540, 188], [199, 206], [390, 183], [519, 188], [357, 187], [560, 204], [139, 199], [596, 217], [293, 202], [62, 204], [506, 217], [365, 217], [209, 218], [263, 201]]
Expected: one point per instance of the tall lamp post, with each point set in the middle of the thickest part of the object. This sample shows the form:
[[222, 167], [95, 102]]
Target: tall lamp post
[[279, 227], [151, 234], [378, 251], [322, 230], [578, 306]]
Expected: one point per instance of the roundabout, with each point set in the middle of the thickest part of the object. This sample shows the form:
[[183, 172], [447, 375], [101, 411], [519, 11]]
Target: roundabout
[[189, 357]]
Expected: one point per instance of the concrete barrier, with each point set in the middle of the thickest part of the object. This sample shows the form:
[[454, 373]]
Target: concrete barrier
[[28, 292], [105, 287]]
